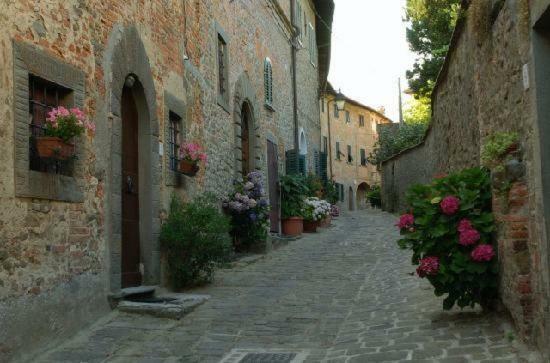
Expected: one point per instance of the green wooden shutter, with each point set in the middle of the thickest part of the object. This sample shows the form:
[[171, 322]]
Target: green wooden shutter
[[317, 162], [323, 163], [302, 164], [291, 158]]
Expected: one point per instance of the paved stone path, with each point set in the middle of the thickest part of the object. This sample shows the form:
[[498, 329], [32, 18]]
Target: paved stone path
[[343, 295]]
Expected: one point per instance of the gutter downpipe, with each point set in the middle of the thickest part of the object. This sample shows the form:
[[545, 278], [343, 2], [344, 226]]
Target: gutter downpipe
[[293, 45]]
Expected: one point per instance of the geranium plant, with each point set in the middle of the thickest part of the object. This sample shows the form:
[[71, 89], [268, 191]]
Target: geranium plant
[[192, 153], [449, 230], [67, 124], [249, 210]]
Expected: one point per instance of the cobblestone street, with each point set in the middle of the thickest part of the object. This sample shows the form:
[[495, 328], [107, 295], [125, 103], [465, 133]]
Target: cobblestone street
[[343, 295]]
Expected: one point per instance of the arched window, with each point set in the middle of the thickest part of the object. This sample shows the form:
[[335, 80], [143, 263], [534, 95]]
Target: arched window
[[268, 82]]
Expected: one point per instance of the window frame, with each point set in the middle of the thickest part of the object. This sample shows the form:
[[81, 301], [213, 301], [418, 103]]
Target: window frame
[[312, 45], [31, 60], [363, 157], [222, 68], [350, 156], [336, 111], [348, 116], [361, 120], [177, 107], [338, 150]]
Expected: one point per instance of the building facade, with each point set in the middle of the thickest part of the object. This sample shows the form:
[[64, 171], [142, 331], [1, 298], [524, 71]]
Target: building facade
[[495, 79], [157, 73], [348, 137]]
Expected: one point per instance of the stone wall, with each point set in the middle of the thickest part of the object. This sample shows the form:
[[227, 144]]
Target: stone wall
[[60, 257], [482, 90]]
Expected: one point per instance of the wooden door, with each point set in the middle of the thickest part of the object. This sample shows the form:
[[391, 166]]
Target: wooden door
[[130, 254], [273, 177]]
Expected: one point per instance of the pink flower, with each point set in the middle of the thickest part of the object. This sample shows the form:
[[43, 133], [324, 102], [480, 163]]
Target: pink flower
[[464, 225], [469, 237], [405, 221], [483, 253], [429, 266], [449, 205], [192, 152]]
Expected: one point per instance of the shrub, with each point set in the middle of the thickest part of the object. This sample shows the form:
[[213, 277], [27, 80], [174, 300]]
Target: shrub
[[449, 231], [496, 147], [293, 191], [249, 210], [393, 139], [314, 186], [374, 196], [331, 192], [195, 239]]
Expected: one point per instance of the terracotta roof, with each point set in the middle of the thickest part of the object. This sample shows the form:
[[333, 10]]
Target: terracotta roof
[[332, 91]]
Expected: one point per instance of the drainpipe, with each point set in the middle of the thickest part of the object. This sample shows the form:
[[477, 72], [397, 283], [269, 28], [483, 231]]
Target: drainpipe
[[294, 51]]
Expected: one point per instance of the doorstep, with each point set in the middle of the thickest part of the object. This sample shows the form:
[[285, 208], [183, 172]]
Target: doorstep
[[167, 305]]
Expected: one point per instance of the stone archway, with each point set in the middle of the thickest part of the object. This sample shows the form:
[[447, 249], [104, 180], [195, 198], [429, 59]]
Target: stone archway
[[247, 135], [361, 196], [128, 70]]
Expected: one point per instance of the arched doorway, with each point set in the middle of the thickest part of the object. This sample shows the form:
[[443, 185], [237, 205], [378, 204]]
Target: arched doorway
[[350, 199], [246, 140], [136, 193], [361, 196]]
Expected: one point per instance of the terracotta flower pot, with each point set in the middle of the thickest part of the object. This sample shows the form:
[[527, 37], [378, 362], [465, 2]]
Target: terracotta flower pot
[[326, 222], [293, 226], [310, 226], [188, 168], [54, 147]]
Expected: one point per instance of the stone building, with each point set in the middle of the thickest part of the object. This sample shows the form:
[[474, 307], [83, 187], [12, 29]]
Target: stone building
[[349, 136], [157, 73], [495, 78]]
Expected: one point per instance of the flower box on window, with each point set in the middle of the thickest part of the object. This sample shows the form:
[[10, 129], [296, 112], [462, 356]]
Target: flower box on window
[[61, 128], [190, 155]]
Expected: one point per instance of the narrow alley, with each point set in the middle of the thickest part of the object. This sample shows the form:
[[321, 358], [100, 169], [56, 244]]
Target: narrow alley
[[346, 295]]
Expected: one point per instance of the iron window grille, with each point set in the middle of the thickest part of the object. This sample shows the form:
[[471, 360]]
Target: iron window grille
[[268, 82], [222, 71], [43, 97], [173, 142]]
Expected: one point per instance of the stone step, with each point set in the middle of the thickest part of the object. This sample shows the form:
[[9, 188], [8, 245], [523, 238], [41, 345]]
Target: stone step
[[169, 305]]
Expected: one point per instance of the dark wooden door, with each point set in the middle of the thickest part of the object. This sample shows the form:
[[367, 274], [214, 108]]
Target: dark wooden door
[[273, 177], [131, 275]]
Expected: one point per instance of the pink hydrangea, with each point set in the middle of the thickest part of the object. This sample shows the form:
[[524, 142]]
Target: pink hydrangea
[[405, 221], [469, 237], [449, 205], [429, 266], [192, 152], [483, 253], [464, 225]]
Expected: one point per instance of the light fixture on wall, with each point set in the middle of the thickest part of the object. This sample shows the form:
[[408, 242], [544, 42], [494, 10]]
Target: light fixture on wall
[[340, 100]]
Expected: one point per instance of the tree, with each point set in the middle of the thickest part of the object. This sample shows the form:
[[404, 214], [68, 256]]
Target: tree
[[394, 138], [431, 25], [418, 111]]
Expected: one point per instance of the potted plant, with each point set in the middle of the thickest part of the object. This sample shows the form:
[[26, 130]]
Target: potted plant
[[293, 191], [61, 127], [315, 211], [249, 210], [189, 156]]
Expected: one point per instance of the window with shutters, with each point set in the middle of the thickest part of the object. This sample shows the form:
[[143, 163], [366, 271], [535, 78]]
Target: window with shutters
[[350, 157], [363, 157], [312, 45], [298, 19], [348, 117], [43, 97], [338, 150], [223, 72], [361, 121], [268, 83]]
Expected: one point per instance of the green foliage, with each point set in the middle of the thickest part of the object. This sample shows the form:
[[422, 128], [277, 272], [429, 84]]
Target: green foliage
[[314, 186], [195, 239], [418, 111], [394, 138], [293, 191], [496, 147], [465, 281], [67, 128], [331, 192], [431, 25], [374, 196]]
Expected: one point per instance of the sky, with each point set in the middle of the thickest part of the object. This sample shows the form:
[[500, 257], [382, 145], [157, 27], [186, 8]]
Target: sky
[[370, 52]]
